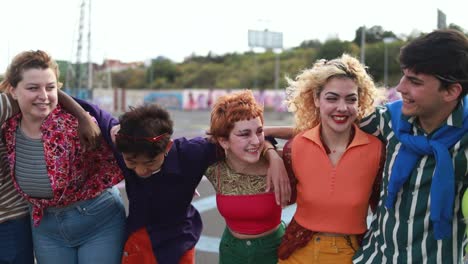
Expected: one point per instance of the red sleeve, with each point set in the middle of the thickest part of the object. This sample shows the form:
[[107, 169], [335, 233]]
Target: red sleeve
[[288, 164], [375, 195]]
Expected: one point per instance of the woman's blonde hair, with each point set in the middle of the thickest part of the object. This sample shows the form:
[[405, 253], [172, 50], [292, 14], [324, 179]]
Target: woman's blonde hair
[[308, 85]]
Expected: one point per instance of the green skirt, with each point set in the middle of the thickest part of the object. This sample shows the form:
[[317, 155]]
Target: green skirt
[[263, 250]]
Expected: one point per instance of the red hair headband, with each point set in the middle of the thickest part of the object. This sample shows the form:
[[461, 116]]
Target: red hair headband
[[149, 139]]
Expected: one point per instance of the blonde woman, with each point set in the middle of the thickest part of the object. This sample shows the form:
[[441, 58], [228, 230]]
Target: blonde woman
[[335, 165]]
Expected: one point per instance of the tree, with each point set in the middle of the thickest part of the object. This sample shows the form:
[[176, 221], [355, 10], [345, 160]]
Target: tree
[[160, 69], [335, 48], [373, 35], [63, 67], [311, 44], [457, 27]]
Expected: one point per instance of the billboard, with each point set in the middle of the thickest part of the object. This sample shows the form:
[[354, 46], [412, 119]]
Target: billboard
[[265, 39]]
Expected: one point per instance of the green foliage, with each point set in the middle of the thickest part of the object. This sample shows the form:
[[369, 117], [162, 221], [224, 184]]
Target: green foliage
[[457, 27], [375, 59], [162, 69], [373, 35], [63, 66], [316, 44], [335, 47], [136, 78], [257, 70]]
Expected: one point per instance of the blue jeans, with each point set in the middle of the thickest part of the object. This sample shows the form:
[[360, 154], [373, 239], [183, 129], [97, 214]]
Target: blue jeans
[[16, 242], [90, 231]]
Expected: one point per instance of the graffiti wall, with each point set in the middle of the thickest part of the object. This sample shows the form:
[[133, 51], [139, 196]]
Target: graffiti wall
[[119, 100]]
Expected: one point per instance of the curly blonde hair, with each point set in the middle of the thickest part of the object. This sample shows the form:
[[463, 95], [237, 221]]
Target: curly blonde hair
[[308, 85]]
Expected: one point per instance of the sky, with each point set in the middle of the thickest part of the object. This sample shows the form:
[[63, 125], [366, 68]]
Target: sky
[[139, 30]]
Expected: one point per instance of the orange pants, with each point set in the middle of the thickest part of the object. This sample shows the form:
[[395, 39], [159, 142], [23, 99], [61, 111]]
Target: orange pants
[[324, 250], [138, 250]]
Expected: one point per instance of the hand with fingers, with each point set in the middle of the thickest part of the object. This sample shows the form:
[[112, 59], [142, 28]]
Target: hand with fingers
[[277, 177], [89, 133]]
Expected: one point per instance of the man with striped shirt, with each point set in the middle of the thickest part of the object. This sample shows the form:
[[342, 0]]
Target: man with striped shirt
[[418, 219]]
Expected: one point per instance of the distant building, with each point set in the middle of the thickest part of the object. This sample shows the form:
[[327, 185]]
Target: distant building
[[117, 65]]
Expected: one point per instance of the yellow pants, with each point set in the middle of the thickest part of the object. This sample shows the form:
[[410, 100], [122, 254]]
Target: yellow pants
[[324, 250]]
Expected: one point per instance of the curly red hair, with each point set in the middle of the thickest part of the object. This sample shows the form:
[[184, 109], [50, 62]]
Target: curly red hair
[[229, 109]]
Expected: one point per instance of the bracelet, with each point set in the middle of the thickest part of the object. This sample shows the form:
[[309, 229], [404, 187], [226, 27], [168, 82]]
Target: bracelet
[[265, 150]]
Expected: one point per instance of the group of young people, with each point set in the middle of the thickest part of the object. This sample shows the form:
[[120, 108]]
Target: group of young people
[[406, 161]]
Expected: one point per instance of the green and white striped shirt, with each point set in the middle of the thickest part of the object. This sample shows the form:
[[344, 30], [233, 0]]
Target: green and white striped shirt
[[12, 205], [405, 234]]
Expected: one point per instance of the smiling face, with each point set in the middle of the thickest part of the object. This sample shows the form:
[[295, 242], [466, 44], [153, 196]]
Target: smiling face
[[36, 93], [245, 143], [424, 98], [338, 105]]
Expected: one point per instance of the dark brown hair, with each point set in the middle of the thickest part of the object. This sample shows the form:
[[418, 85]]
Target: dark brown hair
[[141, 123], [441, 53]]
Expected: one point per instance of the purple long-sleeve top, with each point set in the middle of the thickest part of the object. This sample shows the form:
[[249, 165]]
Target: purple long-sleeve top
[[162, 202]]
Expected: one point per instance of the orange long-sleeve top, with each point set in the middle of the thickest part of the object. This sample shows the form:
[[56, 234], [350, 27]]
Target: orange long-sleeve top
[[332, 198]]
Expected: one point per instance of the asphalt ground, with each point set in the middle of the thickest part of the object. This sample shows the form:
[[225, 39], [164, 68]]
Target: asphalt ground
[[196, 123]]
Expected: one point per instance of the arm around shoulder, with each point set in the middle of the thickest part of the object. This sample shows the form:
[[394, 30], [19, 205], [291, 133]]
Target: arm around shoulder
[[283, 132]]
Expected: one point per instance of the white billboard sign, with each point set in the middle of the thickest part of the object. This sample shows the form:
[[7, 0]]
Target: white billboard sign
[[265, 39]]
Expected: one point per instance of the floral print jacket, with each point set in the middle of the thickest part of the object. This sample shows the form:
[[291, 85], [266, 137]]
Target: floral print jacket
[[74, 175]]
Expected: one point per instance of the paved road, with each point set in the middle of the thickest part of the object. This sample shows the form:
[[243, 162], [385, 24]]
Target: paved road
[[191, 124]]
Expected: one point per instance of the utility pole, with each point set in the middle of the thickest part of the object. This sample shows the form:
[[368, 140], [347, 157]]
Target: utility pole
[[387, 41], [90, 64], [363, 45], [267, 40], [277, 69], [79, 47]]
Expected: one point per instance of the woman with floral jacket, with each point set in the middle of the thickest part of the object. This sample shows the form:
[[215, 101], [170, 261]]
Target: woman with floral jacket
[[77, 216]]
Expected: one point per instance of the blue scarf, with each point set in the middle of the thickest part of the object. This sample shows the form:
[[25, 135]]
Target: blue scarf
[[411, 151]]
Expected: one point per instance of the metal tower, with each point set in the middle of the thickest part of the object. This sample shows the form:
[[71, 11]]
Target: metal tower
[[90, 64], [79, 46]]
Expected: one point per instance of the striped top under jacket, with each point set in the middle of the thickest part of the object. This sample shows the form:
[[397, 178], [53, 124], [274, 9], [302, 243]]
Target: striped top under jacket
[[12, 205], [405, 234]]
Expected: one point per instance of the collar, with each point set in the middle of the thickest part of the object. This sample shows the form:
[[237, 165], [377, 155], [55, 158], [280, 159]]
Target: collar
[[458, 114], [359, 138]]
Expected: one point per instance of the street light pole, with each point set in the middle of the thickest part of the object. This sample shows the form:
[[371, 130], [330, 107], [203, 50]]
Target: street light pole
[[277, 69], [363, 45], [385, 65], [386, 41], [267, 40]]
